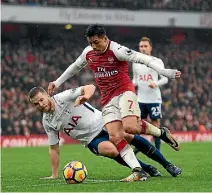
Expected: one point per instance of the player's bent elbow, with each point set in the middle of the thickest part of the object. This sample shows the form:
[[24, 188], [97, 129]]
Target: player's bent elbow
[[90, 88]]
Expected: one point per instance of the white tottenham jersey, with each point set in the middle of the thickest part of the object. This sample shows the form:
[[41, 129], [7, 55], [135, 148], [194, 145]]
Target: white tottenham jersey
[[142, 77], [82, 122]]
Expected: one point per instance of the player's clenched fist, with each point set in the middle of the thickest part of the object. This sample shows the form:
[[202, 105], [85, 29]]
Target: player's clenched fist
[[177, 74], [51, 88]]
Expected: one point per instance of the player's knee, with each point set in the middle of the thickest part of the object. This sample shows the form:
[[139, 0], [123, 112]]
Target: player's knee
[[108, 149], [131, 128], [115, 138], [111, 152], [130, 125]]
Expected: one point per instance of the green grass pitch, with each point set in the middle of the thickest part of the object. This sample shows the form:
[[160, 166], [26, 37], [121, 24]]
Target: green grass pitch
[[22, 168]]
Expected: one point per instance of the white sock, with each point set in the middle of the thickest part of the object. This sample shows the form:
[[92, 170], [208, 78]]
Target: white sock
[[152, 130], [128, 156]]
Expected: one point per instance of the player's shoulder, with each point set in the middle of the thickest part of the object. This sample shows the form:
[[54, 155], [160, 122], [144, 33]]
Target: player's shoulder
[[120, 51], [114, 46], [155, 58], [58, 98], [87, 50]]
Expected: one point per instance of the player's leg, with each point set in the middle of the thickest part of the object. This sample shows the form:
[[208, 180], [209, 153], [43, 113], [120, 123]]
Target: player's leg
[[130, 112], [113, 124], [156, 123], [155, 115], [144, 115], [101, 145], [149, 150]]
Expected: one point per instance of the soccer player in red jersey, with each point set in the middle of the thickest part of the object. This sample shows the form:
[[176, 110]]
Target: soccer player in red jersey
[[121, 113]]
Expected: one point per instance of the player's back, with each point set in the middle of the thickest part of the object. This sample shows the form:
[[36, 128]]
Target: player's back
[[111, 74], [83, 122]]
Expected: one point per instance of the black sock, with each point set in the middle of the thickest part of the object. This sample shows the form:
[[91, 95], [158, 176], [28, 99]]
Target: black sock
[[157, 142], [148, 149]]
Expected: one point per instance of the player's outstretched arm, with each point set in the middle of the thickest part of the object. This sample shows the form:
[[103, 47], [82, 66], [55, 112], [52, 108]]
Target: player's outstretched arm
[[70, 71], [134, 80], [125, 54], [54, 155], [73, 69], [87, 92]]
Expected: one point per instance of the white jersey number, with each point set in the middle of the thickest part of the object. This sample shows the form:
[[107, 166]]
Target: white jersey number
[[156, 111]]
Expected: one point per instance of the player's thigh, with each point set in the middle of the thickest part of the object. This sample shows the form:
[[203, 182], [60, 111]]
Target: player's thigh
[[111, 111], [154, 110], [94, 144], [112, 119], [144, 110], [101, 145], [130, 112]]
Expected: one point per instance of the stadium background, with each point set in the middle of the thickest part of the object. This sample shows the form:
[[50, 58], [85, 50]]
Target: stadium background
[[36, 50], [41, 38]]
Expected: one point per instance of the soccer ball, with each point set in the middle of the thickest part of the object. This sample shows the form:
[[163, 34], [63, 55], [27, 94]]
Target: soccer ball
[[74, 172]]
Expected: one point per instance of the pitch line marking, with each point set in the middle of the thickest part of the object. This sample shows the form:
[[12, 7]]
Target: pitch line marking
[[92, 181]]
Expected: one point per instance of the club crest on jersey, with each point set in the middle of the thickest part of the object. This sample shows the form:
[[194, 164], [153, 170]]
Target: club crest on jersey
[[110, 60]]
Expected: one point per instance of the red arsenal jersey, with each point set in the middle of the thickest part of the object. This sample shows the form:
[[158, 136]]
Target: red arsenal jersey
[[110, 73]]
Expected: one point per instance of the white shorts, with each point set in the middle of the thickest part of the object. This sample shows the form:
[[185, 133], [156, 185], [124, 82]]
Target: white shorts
[[123, 105]]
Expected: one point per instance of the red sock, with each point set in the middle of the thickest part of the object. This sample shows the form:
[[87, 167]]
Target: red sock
[[121, 145], [143, 127]]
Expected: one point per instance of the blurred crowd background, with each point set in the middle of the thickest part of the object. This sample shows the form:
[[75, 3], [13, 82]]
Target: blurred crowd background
[[33, 55], [186, 5]]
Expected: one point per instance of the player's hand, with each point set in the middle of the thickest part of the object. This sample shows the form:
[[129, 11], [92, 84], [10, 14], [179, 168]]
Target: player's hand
[[152, 85], [80, 100], [49, 178], [51, 88]]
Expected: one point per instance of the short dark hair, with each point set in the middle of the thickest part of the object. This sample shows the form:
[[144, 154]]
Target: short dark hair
[[146, 39], [95, 29], [34, 91]]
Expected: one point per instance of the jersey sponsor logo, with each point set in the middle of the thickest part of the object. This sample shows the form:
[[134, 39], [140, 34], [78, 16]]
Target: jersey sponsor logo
[[145, 77], [71, 126], [102, 73]]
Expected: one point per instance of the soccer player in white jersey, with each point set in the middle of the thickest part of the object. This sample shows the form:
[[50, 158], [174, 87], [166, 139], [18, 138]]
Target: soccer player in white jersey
[[148, 87], [65, 112]]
